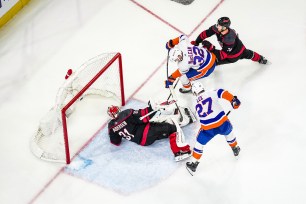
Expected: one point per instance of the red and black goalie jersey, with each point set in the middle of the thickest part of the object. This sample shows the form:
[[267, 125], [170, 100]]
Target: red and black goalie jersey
[[129, 126]]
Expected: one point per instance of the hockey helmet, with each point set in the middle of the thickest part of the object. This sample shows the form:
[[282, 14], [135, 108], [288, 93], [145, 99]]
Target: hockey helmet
[[197, 88], [175, 55], [224, 21], [113, 111]]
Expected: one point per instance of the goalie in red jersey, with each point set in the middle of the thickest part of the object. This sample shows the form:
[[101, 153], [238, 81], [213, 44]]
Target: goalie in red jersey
[[137, 126]]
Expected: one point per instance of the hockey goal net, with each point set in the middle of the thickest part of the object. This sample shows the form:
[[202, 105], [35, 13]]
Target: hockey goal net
[[60, 133]]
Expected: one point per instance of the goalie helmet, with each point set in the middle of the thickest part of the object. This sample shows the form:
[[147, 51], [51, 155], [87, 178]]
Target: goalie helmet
[[175, 55], [224, 21], [113, 111], [197, 88]]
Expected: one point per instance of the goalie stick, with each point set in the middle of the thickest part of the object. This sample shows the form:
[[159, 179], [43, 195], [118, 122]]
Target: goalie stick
[[162, 104]]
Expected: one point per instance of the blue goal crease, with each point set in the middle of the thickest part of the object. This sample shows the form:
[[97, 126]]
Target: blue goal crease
[[127, 168]]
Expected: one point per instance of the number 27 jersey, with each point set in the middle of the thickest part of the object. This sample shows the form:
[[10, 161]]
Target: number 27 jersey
[[209, 110]]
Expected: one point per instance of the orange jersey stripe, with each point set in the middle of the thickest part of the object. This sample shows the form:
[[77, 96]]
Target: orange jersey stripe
[[176, 41], [227, 95], [214, 125], [207, 67], [176, 74]]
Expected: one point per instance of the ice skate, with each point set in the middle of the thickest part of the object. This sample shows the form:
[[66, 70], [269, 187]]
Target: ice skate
[[192, 167], [236, 150], [179, 156], [263, 60]]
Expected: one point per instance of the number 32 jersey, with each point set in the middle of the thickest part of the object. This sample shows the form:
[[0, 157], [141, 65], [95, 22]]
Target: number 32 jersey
[[195, 57], [209, 110]]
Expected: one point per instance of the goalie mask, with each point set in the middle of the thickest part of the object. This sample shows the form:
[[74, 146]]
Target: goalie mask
[[113, 111], [175, 55], [197, 88]]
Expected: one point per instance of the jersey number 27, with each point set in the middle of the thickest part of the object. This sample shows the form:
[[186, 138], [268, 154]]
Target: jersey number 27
[[204, 107]]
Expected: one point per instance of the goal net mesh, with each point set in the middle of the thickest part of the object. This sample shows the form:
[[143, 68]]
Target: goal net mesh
[[99, 77]]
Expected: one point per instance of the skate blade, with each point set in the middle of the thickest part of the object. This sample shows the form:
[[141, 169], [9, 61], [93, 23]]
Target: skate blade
[[191, 172], [267, 64], [182, 157]]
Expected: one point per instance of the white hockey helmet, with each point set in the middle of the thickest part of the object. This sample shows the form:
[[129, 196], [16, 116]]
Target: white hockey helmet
[[197, 88], [175, 55]]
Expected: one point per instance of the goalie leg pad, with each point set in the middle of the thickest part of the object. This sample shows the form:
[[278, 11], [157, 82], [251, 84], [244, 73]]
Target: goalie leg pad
[[183, 147]]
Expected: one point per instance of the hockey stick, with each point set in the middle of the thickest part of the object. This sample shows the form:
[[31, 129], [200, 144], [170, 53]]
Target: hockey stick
[[146, 115], [168, 75], [163, 104], [172, 91], [174, 97]]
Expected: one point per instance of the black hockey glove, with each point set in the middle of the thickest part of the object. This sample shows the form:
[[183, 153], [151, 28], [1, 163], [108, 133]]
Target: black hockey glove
[[208, 45]]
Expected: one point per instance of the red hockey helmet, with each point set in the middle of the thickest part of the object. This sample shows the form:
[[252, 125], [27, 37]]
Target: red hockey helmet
[[113, 111]]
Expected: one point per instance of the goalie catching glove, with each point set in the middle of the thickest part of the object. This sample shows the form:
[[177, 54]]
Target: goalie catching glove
[[235, 102]]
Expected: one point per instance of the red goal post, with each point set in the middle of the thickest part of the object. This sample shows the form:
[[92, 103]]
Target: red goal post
[[99, 76]]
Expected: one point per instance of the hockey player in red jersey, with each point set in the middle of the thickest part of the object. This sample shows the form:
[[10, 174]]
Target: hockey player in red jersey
[[192, 62], [135, 126], [213, 121], [232, 47]]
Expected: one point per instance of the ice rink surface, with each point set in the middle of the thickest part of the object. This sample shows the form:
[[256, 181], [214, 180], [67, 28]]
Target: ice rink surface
[[47, 37]]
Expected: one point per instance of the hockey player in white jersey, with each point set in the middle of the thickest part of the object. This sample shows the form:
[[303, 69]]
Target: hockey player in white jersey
[[213, 121], [193, 62]]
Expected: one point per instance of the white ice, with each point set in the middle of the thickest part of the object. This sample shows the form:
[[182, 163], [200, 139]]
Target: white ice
[[47, 37]]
